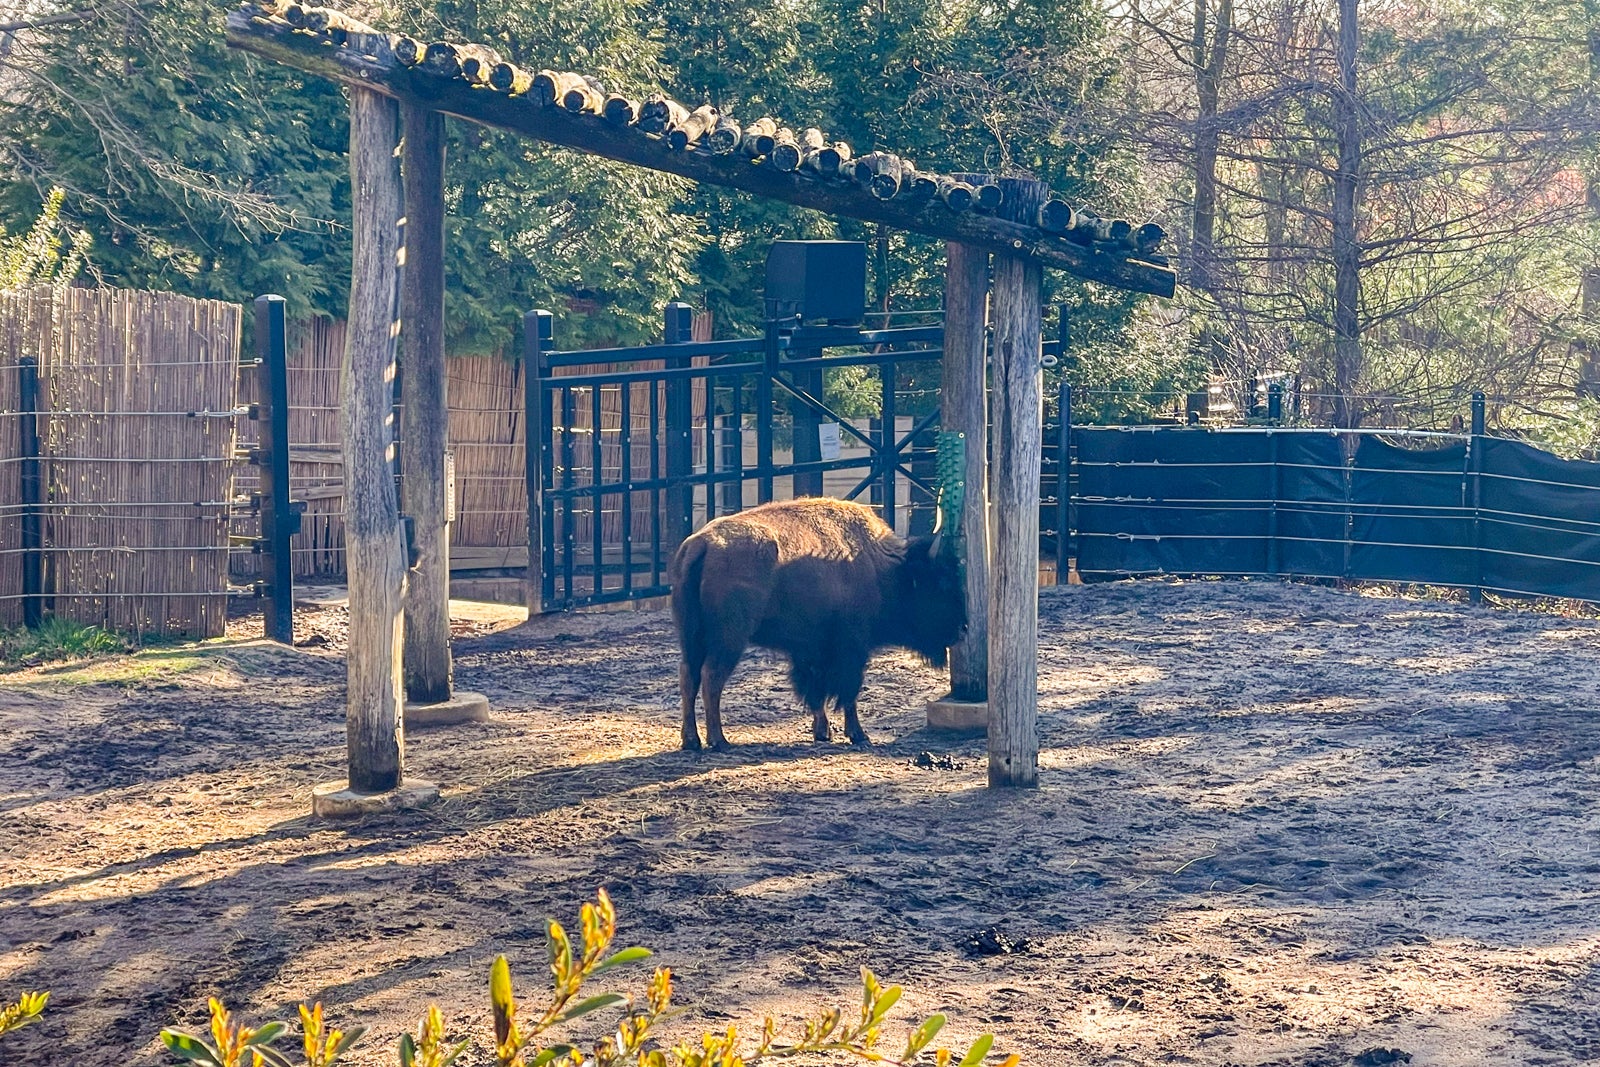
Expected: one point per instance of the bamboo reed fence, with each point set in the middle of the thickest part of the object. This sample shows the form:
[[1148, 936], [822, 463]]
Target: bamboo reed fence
[[15, 323], [136, 428], [486, 401]]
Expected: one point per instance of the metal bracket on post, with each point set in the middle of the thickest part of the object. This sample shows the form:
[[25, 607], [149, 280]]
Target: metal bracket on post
[[279, 518], [679, 330]]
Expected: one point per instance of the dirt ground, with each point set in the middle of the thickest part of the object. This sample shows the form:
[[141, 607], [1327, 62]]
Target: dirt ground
[[1278, 824]]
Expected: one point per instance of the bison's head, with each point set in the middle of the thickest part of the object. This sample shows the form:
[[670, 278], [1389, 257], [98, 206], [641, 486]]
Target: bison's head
[[933, 598]]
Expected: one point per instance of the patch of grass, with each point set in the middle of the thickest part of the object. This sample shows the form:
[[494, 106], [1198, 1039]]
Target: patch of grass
[[139, 669], [55, 640]]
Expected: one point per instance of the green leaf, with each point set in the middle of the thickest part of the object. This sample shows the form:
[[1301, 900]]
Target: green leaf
[[350, 1037], [271, 1056], [189, 1047], [584, 1007], [980, 1049], [408, 1051], [923, 1036], [459, 1049], [266, 1035], [546, 1055], [889, 999], [623, 958], [504, 1005]]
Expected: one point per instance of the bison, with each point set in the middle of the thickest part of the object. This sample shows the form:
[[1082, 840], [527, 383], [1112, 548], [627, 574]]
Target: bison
[[824, 581]]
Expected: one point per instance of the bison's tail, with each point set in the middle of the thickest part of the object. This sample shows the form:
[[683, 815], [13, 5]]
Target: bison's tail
[[686, 571]]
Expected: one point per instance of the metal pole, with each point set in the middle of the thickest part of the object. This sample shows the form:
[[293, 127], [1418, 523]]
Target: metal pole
[[1063, 479], [680, 425], [537, 327], [764, 414], [32, 494], [1475, 465], [279, 519]]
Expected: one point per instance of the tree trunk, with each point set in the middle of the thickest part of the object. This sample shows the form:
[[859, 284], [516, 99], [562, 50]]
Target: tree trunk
[[1018, 432], [1209, 62], [374, 550], [963, 407], [1346, 249], [427, 606], [1589, 310]]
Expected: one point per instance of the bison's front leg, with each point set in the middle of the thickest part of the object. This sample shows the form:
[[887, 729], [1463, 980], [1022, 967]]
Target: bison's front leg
[[811, 685], [848, 680], [852, 726]]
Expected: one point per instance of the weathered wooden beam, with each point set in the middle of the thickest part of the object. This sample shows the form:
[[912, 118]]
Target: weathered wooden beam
[[374, 549], [370, 62], [963, 408], [427, 671], [1018, 435]]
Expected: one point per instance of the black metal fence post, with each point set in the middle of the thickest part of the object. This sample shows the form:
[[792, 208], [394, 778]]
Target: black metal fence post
[[32, 495], [1064, 510], [807, 440], [279, 519], [1475, 465], [764, 413], [1275, 403], [888, 454], [679, 330], [537, 337]]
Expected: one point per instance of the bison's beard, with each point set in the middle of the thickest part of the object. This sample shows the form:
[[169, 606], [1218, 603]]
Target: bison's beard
[[937, 659]]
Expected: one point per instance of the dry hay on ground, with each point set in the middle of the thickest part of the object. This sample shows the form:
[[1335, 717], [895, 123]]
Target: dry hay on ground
[[1279, 824]]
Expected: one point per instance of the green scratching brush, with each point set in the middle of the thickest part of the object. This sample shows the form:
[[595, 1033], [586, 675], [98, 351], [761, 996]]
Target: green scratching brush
[[952, 464]]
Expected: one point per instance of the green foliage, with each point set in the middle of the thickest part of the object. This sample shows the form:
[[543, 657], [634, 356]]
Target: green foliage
[[520, 1030], [27, 1009], [195, 168], [57, 639], [35, 257]]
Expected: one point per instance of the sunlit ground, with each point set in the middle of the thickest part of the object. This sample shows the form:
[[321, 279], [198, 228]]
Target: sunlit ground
[[1277, 824]]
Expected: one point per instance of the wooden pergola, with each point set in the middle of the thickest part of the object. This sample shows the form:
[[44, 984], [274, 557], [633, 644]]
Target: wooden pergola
[[400, 91]]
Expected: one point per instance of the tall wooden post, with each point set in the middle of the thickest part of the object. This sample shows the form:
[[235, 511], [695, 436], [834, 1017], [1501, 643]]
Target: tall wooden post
[[374, 548], [1018, 433], [429, 678], [963, 408]]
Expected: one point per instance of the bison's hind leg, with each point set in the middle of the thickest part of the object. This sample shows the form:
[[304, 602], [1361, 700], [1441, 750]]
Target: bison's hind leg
[[811, 684], [688, 689], [718, 669]]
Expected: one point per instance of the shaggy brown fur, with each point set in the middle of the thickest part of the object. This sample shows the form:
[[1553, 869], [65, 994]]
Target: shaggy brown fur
[[825, 581]]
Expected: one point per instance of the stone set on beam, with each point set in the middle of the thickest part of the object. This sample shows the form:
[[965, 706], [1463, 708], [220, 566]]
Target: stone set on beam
[[765, 156]]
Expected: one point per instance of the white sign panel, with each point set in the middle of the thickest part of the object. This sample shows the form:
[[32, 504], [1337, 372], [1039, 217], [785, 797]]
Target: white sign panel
[[828, 435]]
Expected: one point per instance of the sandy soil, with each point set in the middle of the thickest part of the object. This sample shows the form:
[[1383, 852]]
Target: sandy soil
[[1278, 825]]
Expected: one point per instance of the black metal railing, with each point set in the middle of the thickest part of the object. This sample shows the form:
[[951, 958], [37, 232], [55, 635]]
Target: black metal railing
[[629, 449]]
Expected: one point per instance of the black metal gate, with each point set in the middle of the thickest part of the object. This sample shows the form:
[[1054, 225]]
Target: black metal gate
[[630, 449]]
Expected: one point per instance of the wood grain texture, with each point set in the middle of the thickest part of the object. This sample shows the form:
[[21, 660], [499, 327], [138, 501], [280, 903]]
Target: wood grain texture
[[369, 62], [374, 549], [1014, 580], [963, 407], [424, 385]]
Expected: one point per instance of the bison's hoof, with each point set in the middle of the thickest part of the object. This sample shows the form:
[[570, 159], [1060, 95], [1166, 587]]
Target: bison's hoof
[[860, 739], [691, 742], [719, 744], [821, 733]]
